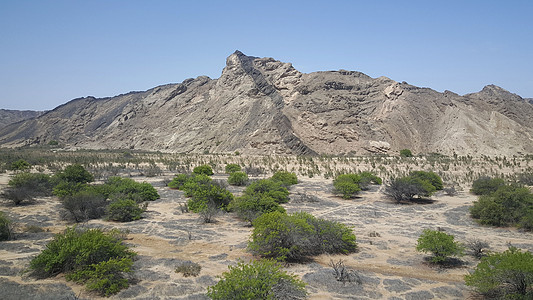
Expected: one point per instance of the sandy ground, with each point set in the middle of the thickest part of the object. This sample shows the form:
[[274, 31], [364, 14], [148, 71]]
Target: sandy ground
[[386, 260]]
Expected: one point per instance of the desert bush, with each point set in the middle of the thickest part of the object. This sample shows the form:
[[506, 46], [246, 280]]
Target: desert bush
[[526, 222], [344, 274], [95, 257], [254, 171], [250, 207], [208, 211], [286, 178], [75, 174], [178, 181], [430, 177], [525, 178], [19, 165], [38, 184], [238, 178], [195, 182], [507, 275], [406, 153], [440, 244], [263, 279], [209, 195], [84, 205], [232, 168], [269, 188], [203, 169], [367, 178], [406, 188], [123, 210], [6, 228], [478, 248], [346, 185], [486, 185], [188, 268], [106, 277], [295, 237], [508, 205], [66, 188], [130, 189]]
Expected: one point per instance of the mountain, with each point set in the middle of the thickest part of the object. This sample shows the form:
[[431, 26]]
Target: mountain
[[264, 106], [12, 116]]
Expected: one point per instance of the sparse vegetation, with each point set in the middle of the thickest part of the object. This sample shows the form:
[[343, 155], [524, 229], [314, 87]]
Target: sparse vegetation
[[507, 275], [188, 269], [260, 279], [440, 244]]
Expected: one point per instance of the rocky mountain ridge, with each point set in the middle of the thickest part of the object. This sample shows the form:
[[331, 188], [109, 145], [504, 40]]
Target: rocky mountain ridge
[[264, 106], [8, 116]]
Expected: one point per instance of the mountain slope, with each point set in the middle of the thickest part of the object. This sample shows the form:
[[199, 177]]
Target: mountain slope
[[8, 116], [263, 106]]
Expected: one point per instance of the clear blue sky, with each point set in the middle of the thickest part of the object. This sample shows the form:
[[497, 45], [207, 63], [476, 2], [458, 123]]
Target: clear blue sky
[[54, 51]]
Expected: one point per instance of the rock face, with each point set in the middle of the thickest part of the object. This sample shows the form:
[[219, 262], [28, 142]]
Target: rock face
[[12, 116], [264, 106]]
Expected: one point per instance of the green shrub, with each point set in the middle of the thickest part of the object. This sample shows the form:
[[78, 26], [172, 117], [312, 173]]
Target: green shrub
[[238, 178], [84, 205], [74, 252], [20, 165], [261, 279], [195, 182], [507, 275], [189, 268], [486, 185], [123, 210], [131, 189], [232, 168], [6, 228], [250, 207], [295, 237], [526, 222], [178, 181], [406, 153], [40, 184], [508, 205], [209, 194], [66, 188], [286, 178], [266, 187], [430, 177], [440, 244], [367, 179], [346, 185], [525, 178], [406, 188], [106, 277], [203, 169], [75, 173]]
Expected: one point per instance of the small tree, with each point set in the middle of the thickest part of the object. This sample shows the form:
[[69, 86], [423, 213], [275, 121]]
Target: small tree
[[20, 165], [430, 177], [263, 279], [406, 188], [406, 153], [124, 210], [274, 189], [507, 275], [440, 244], [75, 174]]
